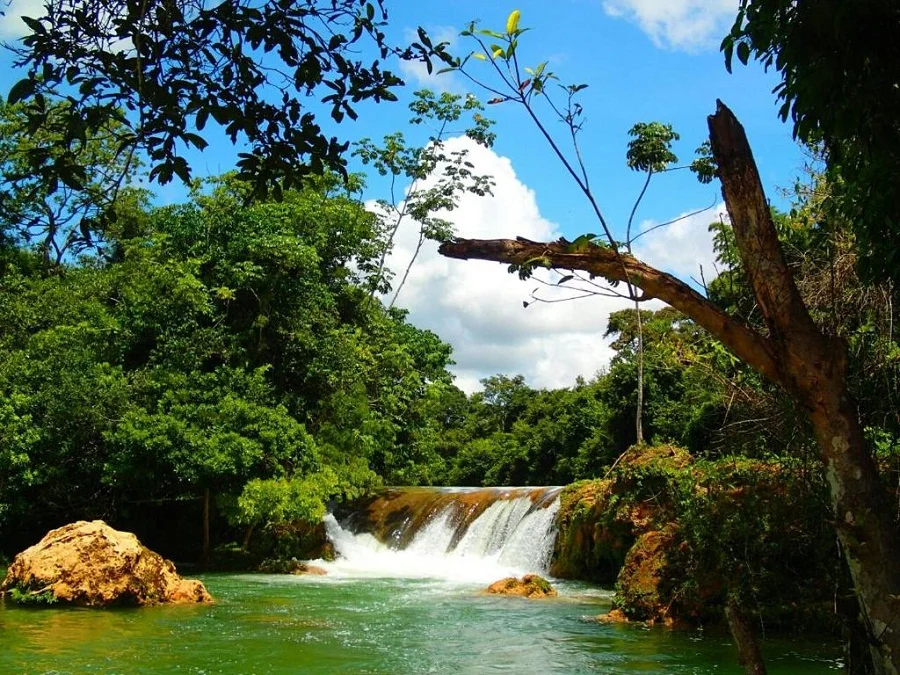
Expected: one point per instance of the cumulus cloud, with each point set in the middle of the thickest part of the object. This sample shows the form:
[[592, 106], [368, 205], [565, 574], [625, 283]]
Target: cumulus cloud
[[682, 247], [689, 25], [11, 24], [476, 306]]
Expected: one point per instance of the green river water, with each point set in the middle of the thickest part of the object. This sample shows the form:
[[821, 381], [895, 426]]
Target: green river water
[[283, 624]]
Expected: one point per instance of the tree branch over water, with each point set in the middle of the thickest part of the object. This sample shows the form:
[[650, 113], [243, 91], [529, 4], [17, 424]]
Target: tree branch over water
[[604, 262]]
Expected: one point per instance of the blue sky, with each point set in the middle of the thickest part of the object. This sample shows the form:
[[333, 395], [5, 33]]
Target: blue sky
[[643, 60]]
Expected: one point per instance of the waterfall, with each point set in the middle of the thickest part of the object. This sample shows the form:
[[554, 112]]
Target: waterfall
[[456, 534]]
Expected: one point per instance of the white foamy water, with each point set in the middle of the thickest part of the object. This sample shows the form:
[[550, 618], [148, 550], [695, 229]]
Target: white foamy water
[[510, 538]]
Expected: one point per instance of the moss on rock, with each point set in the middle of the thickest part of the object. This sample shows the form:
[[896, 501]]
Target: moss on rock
[[678, 536], [599, 521], [530, 586]]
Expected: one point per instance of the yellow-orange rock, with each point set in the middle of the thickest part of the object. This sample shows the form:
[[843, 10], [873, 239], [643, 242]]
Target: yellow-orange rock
[[529, 586], [90, 564], [314, 570], [613, 616]]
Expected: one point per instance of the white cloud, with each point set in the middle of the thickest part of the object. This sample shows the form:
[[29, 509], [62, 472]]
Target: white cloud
[[689, 25], [11, 24], [683, 246], [416, 72], [476, 306]]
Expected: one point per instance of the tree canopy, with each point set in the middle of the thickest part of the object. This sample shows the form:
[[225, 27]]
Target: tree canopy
[[840, 86], [152, 75]]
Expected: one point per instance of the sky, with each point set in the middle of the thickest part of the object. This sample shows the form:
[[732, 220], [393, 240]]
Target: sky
[[643, 60]]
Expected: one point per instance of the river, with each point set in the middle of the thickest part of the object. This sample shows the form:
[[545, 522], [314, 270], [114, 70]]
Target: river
[[380, 610]]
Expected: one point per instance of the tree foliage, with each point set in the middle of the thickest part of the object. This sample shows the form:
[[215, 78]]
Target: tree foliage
[[432, 177], [58, 218], [837, 61], [223, 344], [152, 75]]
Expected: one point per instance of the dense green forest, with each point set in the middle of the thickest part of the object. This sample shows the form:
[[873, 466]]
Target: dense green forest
[[235, 350]]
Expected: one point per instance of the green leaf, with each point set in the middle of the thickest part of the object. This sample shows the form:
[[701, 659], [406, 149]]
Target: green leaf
[[195, 140], [20, 91], [202, 116], [727, 48], [581, 243]]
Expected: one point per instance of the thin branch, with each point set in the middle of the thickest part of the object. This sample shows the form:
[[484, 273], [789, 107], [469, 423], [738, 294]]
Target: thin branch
[[674, 220], [634, 209], [549, 301]]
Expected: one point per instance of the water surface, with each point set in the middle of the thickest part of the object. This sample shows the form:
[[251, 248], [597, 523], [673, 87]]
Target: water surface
[[414, 603], [266, 624]]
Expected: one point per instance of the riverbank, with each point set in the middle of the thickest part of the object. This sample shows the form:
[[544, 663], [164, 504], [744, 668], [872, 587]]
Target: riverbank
[[681, 538]]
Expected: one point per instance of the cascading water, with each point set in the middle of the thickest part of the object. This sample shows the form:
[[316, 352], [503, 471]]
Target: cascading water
[[464, 535]]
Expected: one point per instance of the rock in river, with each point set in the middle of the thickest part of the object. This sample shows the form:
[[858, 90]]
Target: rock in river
[[92, 565], [529, 586]]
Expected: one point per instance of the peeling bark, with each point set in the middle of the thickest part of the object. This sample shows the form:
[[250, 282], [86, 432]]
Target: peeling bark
[[795, 354]]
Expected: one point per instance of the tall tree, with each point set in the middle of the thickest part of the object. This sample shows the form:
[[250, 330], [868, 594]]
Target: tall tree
[[648, 151]]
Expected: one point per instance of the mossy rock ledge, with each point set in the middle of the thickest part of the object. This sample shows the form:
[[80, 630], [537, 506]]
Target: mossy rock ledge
[[90, 564], [599, 522], [679, 536]]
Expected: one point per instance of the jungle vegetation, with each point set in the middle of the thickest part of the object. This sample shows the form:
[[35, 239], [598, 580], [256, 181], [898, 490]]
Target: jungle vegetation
[[233, 350]]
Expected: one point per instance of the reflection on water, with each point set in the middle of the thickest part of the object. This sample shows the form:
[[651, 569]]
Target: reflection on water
[[269, 624]]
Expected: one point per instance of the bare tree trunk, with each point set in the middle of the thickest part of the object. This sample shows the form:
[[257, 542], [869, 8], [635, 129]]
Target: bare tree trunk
[[795, 354], [745, 639], [245, 546], [206, 541], [814, 370], [857, 656], [639, 414]]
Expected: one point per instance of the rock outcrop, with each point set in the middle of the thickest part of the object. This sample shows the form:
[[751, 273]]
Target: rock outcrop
[[599, 523], [680, 538], [292, 566], [529, 586], [644, 583], [92, 565]]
